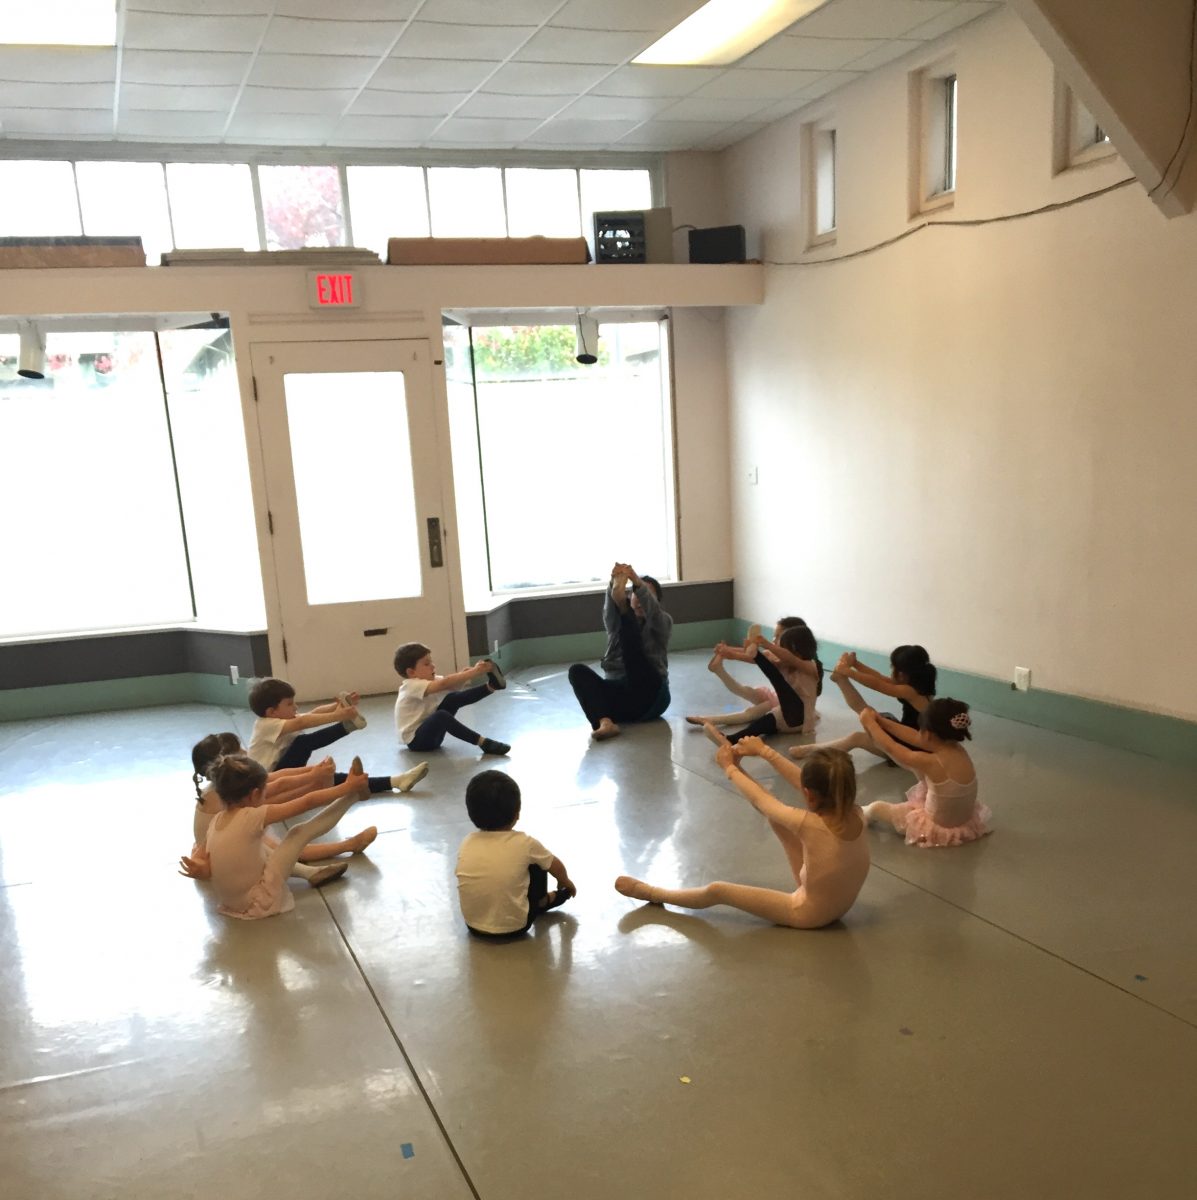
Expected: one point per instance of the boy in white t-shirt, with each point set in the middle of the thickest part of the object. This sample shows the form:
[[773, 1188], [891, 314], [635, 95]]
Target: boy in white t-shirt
[[278, 740], [427, 704], [502, 876]]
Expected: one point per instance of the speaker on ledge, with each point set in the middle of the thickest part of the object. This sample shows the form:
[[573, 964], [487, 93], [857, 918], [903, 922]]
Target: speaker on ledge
[[723, 244]]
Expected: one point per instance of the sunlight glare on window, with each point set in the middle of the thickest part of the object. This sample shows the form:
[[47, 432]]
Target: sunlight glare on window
[[212, 205], [466, 201], [37, 199], [542, 202], [386, 202], [125, 199]]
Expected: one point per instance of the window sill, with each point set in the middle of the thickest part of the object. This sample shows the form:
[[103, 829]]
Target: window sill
[[934, 204], [820, 241]]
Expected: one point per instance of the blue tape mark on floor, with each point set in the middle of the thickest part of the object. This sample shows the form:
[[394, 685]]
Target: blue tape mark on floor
[[407, 1150]]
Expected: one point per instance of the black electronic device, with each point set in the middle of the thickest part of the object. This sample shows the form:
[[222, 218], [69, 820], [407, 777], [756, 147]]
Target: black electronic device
[[723, 244]]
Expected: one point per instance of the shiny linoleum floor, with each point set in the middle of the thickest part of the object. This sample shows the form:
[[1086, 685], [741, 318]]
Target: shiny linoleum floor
[[1017, 1018]]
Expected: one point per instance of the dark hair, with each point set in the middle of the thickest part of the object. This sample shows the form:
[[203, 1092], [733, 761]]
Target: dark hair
[[267, 694], [947, 719], [831, 775], [236, 775], [652, 583], [915, 663], [785, 623], [493, 800], [206, 751], [408, 655], [799, 640]]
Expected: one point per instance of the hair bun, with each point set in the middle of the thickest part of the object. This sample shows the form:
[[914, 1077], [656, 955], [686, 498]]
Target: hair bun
[[961, 721]]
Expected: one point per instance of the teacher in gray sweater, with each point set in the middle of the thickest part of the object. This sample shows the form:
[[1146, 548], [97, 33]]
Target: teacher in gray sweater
[[636, 664]]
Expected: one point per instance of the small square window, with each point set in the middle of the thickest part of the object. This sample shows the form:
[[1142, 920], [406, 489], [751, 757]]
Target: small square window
[[1078, 136]]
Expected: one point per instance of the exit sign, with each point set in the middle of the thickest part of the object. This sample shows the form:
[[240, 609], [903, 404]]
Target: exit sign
[[333, 289]]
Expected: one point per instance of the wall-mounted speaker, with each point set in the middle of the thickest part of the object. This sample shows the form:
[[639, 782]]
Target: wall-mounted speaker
[[723, 244]]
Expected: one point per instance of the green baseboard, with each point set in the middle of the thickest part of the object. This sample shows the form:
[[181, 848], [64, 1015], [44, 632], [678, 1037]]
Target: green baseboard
[[1153, 734], [109, 694]]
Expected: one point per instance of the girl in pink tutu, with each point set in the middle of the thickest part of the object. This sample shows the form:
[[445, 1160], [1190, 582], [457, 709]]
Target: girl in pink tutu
[[824, 842], [942, 808]]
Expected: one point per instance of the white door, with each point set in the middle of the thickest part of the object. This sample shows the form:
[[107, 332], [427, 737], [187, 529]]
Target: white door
[[354, 491]]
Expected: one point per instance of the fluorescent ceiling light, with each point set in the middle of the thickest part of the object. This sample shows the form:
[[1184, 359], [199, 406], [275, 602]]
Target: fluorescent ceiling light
[[57, 22], [723, 31]]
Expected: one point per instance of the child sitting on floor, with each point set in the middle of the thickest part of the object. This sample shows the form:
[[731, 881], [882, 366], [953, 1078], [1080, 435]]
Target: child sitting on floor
[[278, 740], [427, 704], [502, 875]]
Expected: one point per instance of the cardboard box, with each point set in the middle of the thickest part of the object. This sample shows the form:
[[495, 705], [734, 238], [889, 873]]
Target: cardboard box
[[459, 252], [21, 252]]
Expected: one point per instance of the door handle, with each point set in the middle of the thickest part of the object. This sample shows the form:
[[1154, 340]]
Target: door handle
[[436, 556]]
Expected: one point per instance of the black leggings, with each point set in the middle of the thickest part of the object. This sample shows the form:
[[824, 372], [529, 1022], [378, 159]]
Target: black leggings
[[625, 699], [793, 710], [434, 727], [302, 748]]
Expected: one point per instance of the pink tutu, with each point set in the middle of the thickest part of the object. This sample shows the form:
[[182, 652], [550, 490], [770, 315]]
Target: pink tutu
[[923, 830]]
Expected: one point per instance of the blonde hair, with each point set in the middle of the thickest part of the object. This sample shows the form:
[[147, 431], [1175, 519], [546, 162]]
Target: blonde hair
[[832, 777], [235, 777]]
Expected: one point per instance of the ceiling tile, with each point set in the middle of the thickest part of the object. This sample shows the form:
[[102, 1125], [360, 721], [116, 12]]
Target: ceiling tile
[[431, 75], [698, 108], [344, 10], [203, 8], [756, 85], [887, 52], [406, 131], [172, 126], [424, 39], [315, 101], [782, 108], [567, 132], [868, 18], [476, 131], [543, 79], [59, 95], [484, 104], [488, 12], [166, 31], [809, 54], [671, 135], [731, 135], [288, 128], [828, 83], [295, 35], [615, 108], [151, 96], [177, 66], [56, 123], [407, 104], [36, 64], [655, 81], [311, 70], [583, 46], [656, 17], [956, 16]]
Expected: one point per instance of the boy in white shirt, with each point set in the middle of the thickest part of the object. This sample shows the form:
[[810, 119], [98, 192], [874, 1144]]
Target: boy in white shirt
[[502, 876], [427, 704], [278, 739]]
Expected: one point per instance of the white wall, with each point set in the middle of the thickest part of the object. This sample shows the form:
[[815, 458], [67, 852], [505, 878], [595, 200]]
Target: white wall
[[982, 439]]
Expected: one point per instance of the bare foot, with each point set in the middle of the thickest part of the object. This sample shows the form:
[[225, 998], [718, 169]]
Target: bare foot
[[696, 720], [754, 632], [322, 875], [606, 729], [714, 734], [716, 660], [360, 841], [635, 889], [799, 751]]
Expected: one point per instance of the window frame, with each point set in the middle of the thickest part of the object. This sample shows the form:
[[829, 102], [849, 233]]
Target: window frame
[[934, 137], [820, 157], [1078, 139]]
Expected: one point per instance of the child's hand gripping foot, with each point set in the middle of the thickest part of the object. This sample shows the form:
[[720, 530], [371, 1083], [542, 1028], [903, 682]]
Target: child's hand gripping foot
[[350, 718], [753, 636]]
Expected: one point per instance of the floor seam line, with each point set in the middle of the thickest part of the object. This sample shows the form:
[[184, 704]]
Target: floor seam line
[[436, 1116]]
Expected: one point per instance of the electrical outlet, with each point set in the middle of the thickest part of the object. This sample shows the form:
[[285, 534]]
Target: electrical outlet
[[1022, 679], [234, 674]]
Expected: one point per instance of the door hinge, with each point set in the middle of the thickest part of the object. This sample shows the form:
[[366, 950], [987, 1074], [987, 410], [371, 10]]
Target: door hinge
[[270, 522], [285, 659], [254, 380]]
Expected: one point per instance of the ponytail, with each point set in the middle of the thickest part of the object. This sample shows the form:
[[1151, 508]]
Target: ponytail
[[915, 663]]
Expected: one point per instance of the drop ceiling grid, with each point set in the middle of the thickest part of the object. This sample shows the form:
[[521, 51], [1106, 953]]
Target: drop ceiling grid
[[440, 73]]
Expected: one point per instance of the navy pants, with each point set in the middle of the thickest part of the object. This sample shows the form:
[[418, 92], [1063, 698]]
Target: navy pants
[[433, 729]]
